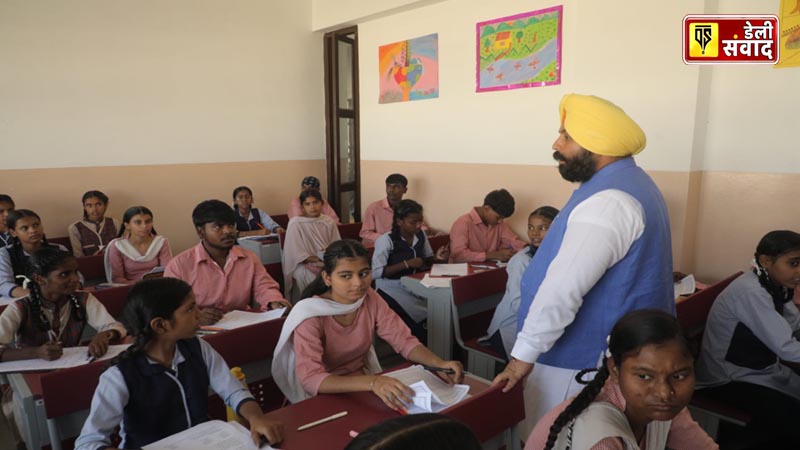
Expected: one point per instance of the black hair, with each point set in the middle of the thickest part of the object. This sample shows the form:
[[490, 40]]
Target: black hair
[[427, 431], [240, 189], [310, 193], [404, 208], [633, 331], [345, 248], [549, 213], [7, 199], [213, 211], [397, 178], [93, 194], [20, 263], [501, 202], [132, 211], [772, 245], [147, 300], [42, 262]]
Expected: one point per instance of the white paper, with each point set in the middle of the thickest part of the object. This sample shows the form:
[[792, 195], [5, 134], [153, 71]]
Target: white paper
[[72, 357], [238, 319], [431, 393], [211, 435], [156, 269], [449, 270], [429, 281], [685, 286]]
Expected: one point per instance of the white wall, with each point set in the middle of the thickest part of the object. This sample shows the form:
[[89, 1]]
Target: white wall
[[333, 14], [99, 83]]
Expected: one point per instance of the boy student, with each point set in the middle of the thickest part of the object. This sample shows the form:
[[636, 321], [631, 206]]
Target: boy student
[[6, 206], [223, 276], [378, 215], [296, 209], [481, 235]]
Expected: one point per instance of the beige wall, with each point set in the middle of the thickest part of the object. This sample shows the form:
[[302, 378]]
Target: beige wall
[[170, 191]]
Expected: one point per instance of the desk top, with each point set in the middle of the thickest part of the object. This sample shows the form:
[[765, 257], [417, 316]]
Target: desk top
[[472, 268]]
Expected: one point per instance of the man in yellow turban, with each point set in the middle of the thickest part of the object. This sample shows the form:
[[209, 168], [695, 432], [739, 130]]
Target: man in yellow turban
[[607, 252]]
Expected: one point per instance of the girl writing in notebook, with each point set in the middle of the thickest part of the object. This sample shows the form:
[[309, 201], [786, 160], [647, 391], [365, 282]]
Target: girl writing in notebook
[[159, 385], [27, 234], [251, 221], [54, 314], [326, 342], [90, 235], [404, 251], [307, 238], [137, 250], [638, 397]]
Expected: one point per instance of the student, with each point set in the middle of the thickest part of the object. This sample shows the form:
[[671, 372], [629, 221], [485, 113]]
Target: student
[[27, 234], [159, 385], [306, 239], [379, 216], [138, 248], [750, 353], [296, 209], [418, 432], [223, 275], [502, 333], [481, 235], [404, 251], [6, 206], [90, 235], [54, 314], [251, 221], [637, 399], [326, 343]]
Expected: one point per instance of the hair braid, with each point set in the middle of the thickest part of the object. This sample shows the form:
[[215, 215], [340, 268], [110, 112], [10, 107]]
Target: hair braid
[[779, 294], [579, 403], [39, 319]]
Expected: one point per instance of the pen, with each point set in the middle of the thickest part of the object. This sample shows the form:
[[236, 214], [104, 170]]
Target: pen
[[90, 358], [439, 369], [353, 433], [321, 421]]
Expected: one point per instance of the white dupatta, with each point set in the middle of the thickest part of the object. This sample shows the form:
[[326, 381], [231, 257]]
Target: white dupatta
[[125, 247]]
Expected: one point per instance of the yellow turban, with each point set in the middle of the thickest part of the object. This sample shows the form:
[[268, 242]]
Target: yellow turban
[[600, 126]]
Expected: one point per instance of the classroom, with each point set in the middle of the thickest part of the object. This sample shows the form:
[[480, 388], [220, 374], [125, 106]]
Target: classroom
[[169, 103]]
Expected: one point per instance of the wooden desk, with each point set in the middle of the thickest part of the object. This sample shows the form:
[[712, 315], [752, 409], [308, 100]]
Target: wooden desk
[[488, 412], [441, 310]]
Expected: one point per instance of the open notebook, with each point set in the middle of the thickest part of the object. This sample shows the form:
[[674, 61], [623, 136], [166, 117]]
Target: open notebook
[[431, 394], [211, 435], [237, 319], [72, 357]]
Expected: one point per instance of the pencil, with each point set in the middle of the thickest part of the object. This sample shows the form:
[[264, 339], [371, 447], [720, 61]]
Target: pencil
[[321, 421], [439, 369]]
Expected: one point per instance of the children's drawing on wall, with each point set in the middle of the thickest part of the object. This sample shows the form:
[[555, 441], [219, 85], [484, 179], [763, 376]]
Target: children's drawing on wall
[[519, 51], [409, 70], [790, 34]]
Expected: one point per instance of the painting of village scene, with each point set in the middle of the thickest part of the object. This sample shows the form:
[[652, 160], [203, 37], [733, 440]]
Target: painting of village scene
[[409, 70], [520, 51]]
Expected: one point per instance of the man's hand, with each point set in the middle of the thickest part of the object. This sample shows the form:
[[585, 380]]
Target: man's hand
[[514, 372], [210, 315]]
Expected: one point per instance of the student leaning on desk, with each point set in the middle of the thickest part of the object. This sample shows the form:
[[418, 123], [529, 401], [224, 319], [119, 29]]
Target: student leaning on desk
[[159, 386]]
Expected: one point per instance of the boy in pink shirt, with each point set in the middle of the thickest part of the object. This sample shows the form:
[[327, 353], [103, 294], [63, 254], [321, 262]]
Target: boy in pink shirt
[[223, 276], [378, 216], [481, 235]]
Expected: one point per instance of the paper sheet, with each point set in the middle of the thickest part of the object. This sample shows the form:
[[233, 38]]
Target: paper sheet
[[238, 319], [431, 394], [685, 286], [429, 281], [211, 435], [449, 270], [72, 357]]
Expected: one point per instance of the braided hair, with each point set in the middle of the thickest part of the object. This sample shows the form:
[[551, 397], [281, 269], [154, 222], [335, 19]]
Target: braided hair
[[404, 208], [42, 263], [93, 194], [19, 261], [773, 245], [148, 300], [633, 331], [549, 213], [418, 431], [345, 248]]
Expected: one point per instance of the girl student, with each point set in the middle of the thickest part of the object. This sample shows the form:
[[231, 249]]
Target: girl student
[[138, 248], [426, 431], [326, 342], [502, 332], [296, 207], [159, 385], [402, 251], [27, 234], [6, 206], [54, 314], [90, 235], [251, 221], [637, 399], [306, 239], [750, 354]]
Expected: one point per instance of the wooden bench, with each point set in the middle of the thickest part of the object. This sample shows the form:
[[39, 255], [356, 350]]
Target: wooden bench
[[281, 219], [439, 241], [350, 231], [93, 269]]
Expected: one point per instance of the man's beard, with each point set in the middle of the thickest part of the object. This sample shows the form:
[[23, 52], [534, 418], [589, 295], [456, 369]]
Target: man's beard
[[577, 169]]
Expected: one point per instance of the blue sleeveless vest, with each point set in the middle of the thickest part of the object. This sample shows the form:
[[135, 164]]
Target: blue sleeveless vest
[[242, 224], [403, 252], [642, 279], [155, 406]]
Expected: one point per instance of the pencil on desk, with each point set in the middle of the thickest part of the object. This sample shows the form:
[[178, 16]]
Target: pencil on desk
[[321, 421]]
